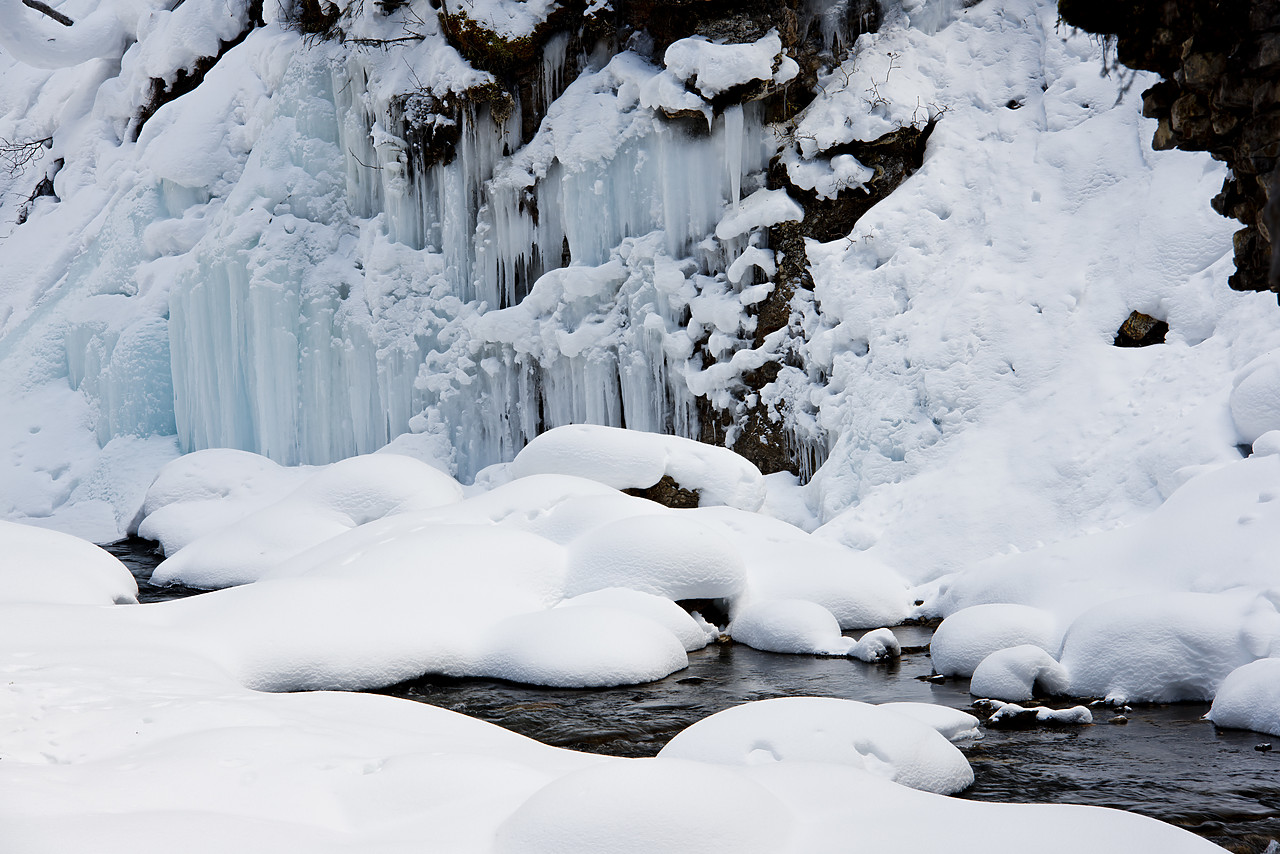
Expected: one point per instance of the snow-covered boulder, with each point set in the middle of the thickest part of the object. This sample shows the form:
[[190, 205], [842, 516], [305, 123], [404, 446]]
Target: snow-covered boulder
[[37, 565], [828, 730], [332, 501], [953, 724], [1249, 698], [968, 636], [784, 562], [693, 634], [668, 555], [631, 459], [1166, 647], [1014, 673], [1255, 397], [789, 625], [583, 647]]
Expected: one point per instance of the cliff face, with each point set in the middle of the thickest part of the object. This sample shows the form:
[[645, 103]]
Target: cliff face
[[1220, 60]]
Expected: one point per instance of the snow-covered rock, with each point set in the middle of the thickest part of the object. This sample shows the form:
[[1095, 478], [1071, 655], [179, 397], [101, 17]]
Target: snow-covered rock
[[968, 636], [48, 566], [1014, 674], [1249, 698], [826, 730], [629, 459]]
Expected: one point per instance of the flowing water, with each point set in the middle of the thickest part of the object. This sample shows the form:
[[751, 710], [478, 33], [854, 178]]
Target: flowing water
[[1164, 762]]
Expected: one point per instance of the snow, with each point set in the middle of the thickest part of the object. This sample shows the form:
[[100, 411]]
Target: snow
[[715, 68], [968, 636], [648, 805], [49, 566], [264, 267], [1074, 716], [1249, 698], [626, 459], [1016, 673], [582, 647], [668, 555], [693, 634], [1254, 397], [1167, 647], [953, 724], [335, 499], [827, 730], [789, 625]]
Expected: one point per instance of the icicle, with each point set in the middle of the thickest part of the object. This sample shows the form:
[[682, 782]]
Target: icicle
[[733, 150]]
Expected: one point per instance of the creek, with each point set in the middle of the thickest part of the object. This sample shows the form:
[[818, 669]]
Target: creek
[[1164, 762]]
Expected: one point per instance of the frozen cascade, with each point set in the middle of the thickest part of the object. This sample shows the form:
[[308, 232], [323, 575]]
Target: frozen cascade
[[388, 260]]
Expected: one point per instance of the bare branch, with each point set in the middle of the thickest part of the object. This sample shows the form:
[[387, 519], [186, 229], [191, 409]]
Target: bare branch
[[46, 9], [17, 156]]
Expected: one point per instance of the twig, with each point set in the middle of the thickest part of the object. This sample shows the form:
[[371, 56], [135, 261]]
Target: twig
[[50, 11]]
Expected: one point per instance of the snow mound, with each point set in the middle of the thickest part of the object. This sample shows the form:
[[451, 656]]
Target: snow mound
[[39, 565], [206, 490], [876, 645], [714, 68], [631, 459], [1166, 648], [648, 806], [1267, 445], [953, 724], [968, 636], [1249, 698], [1014, 673], [334, 500], [823, 729], [789, 625], [784, 562], [669, 555], [1255, 397], [582, 647], [690, 632]]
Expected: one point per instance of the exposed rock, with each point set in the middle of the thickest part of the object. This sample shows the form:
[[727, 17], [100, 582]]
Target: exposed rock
[[668, 493], [1220, 94], [1141, 330], [188, 79]]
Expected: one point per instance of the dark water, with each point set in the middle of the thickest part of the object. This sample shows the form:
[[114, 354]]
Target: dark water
[[1165, 762], [142, 557]]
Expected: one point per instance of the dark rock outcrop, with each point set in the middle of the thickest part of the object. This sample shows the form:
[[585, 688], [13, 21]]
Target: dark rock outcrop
[[1220, 60]]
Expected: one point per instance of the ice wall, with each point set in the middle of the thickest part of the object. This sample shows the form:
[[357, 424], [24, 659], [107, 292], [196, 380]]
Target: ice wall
[[354, 286]]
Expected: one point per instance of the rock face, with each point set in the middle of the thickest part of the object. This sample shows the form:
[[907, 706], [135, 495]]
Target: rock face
[[1220, 60]]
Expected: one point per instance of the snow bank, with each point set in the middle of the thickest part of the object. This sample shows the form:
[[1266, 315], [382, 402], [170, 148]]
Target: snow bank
[[1015, 673], [630, 459], [1249, 698], [968, 636], [648, 805], [47, 566], [827, 730], [1167, 647]]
